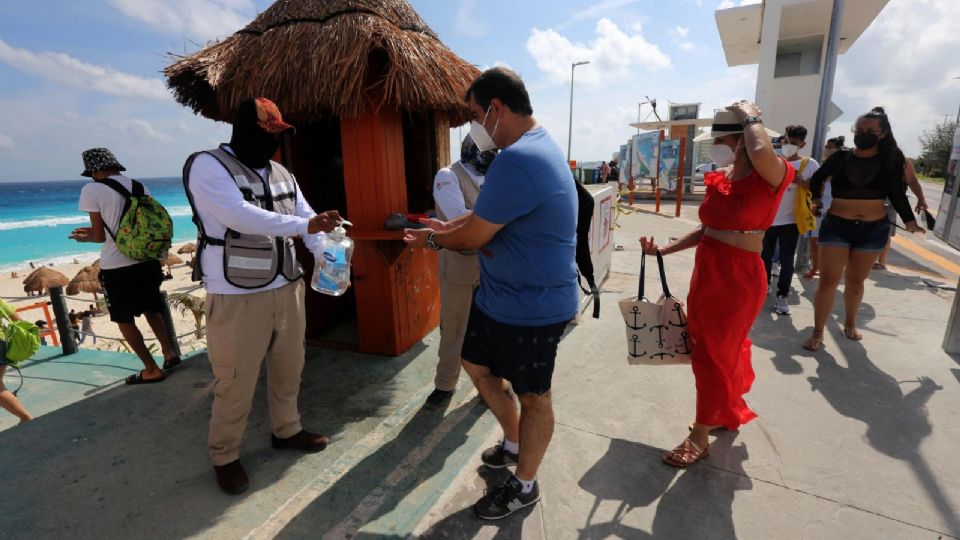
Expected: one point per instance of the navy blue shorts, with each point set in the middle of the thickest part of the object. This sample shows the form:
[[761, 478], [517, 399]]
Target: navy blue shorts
[[854, 234], [523, 355]]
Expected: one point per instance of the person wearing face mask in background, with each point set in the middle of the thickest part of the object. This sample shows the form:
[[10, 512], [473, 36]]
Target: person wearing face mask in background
[[524, 226], [455, 192], [910, 177], [248, 209], [729, 281], [856, 228], [784, 231], [832, 146]]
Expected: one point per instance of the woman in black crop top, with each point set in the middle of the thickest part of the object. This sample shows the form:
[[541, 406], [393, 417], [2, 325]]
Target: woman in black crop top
[[855, 229]]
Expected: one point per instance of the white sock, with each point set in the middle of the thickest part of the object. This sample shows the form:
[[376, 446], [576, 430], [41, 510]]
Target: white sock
[[527, 484], [510, 446]]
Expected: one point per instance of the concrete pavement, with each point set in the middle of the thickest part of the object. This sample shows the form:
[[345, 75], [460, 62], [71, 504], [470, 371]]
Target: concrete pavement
[[855, 441]]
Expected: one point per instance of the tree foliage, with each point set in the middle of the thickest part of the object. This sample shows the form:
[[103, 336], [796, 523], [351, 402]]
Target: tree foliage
[[936, 144]]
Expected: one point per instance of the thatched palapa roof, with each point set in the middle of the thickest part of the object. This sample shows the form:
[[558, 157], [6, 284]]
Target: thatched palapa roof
[[315, 58], [42, 279], [86, 281]]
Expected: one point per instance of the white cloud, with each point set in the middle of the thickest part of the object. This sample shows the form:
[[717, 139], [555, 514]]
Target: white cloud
[[606, 8], [469, 22], [912, 78], [687, 46], [5, 142], [142, 129], [612, 53], [67, 70], [730, 3], [682, 31], [199, 19]]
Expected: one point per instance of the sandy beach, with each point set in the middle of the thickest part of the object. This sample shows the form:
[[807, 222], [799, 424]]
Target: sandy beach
[[11, 289]]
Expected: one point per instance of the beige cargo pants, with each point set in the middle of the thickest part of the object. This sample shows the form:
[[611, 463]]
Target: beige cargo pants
[[242, 331], [459, 276]]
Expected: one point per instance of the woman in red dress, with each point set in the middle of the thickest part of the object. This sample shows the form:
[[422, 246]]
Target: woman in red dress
[[729, 281]]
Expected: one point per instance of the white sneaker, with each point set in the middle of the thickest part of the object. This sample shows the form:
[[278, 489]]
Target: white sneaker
[[781, 306], [775, 269]]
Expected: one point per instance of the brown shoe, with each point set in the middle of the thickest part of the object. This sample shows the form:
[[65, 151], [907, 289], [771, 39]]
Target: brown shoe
[[303, 441], [231, 478]]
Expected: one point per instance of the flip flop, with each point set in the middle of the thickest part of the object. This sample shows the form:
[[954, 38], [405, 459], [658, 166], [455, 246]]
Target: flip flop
[[878, 266], [171, 363], [137, 378]]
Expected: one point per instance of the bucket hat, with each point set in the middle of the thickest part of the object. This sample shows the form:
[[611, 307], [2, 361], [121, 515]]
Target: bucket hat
[[98, 159]]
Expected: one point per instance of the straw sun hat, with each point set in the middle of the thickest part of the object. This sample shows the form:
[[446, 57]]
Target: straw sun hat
[[726, 123]]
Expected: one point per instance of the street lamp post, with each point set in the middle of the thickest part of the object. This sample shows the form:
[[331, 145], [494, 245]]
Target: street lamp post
[[570, 131]]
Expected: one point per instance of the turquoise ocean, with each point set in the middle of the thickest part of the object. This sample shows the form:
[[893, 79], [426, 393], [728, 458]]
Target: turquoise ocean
[[37, 217]]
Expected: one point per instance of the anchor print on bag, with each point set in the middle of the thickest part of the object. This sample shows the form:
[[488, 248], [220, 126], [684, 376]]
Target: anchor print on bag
[[656, 332]]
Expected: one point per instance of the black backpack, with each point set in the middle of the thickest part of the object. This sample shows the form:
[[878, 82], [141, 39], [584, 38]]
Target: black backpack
[[585, 206]]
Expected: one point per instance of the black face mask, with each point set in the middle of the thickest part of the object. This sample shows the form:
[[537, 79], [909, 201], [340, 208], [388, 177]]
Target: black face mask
[[863, 141], [252, 145]]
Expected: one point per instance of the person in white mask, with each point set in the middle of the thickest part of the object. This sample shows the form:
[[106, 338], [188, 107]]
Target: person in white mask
[[728, 285], [455, 191], [784, 230]]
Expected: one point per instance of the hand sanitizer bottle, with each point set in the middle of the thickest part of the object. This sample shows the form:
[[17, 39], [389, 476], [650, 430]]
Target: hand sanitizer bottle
[[331, 270]]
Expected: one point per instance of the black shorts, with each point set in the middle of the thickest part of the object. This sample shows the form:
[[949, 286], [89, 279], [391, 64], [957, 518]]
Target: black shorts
[[132, 290], [523, 355]]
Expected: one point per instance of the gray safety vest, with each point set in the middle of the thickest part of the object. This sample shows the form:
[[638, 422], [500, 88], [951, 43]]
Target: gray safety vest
[[251, 261], [461, 266]]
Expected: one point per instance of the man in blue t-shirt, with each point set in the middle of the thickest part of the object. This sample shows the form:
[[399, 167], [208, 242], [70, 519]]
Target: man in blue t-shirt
[[524, 226]]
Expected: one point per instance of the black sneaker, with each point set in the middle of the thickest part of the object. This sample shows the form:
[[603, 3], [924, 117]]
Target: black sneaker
[[496, 457], [505, 499], [439, 398]]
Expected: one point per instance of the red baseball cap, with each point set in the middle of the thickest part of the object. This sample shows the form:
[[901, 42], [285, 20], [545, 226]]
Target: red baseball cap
[[269, 118]]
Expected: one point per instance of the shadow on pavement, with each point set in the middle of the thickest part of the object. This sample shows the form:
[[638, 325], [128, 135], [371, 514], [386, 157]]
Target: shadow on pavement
[[466, 524], [373, 487], [897, 422], [132, 461], [707, 488]]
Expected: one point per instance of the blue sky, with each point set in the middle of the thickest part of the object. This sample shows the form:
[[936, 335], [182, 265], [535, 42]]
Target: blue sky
[[80, 74]]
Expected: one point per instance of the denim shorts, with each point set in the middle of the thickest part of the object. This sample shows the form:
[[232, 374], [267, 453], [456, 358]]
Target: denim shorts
[[854, 234]]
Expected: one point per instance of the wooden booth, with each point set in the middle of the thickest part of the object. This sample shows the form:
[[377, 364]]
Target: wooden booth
[[373, 94]]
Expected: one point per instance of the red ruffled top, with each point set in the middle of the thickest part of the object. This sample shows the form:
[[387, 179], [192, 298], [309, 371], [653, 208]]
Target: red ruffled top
[[749, 204]]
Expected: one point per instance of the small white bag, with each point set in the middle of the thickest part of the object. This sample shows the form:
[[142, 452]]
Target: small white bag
[[656, 331]]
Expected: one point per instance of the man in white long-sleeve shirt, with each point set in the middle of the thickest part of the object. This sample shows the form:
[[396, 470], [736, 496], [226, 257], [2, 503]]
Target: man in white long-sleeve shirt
[[248, 209], [455, 191]]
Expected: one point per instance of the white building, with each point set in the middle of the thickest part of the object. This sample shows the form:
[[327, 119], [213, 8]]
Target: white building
[[788, 41]]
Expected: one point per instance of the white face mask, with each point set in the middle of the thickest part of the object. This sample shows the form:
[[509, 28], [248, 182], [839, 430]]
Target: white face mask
[[790, 150], [483, 140], [722, 155]]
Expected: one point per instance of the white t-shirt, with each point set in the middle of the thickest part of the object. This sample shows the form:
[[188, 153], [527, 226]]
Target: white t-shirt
[[447, 193], [785, 213], [96, 197]]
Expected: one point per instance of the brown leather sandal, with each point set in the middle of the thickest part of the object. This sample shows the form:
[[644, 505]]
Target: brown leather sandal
[[686, 454]]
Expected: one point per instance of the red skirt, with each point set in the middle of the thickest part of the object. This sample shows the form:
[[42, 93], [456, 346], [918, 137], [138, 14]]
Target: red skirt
[[727, 291]]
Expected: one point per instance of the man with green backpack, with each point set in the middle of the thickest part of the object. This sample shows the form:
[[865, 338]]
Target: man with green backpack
[[136, 231], [17, 345]]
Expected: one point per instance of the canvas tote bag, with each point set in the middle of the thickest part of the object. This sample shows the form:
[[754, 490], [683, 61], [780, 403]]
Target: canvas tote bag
[[656, 331]]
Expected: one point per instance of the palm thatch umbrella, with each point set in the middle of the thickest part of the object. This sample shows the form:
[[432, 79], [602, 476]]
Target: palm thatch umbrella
[[190, 248], [171, 260], [86, 281], [316, 58], [42, 279]]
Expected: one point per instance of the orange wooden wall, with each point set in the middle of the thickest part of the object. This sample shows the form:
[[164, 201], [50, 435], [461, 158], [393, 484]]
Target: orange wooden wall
[[398, 294]]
